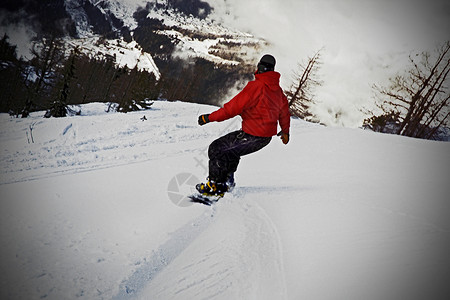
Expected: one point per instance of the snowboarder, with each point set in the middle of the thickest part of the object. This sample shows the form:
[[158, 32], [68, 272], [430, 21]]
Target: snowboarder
[[262, 105]]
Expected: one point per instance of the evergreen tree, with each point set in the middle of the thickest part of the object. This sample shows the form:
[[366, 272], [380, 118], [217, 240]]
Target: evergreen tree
[[59, 106], [12, 83], [48, 54]]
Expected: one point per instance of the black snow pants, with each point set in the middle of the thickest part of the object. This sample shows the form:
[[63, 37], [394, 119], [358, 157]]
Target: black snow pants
[[225, 152]]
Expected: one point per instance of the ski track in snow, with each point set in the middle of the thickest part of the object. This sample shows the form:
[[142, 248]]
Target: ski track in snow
[[163, 256], [246, 263], [46, 148]]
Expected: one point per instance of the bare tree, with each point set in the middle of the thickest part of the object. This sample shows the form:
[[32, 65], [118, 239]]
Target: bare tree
[[416, 104], [300, 94]]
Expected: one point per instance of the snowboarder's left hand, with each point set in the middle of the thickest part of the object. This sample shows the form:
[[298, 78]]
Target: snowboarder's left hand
[[203, 119]]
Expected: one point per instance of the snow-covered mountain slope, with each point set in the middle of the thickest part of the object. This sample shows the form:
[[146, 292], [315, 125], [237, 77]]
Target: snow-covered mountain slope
[[89, 211], [207, 39], [108, 9], [105, 28], [122, 53]]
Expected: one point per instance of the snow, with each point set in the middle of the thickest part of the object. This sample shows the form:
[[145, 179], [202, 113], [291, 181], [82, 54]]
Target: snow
[[88, 211], [124, 54], [189, 47], [124, 10]]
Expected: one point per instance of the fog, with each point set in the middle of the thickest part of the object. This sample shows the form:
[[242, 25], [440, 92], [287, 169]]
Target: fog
[[363, 42]]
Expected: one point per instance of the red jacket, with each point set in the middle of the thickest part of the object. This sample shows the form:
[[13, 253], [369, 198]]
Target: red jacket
[[261, 105]]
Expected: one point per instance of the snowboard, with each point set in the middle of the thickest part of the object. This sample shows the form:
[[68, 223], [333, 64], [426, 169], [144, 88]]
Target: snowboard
[[198, 197], [206, 200]]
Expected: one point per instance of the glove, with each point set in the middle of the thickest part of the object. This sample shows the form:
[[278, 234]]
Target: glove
[[203, 119], [284, 137]]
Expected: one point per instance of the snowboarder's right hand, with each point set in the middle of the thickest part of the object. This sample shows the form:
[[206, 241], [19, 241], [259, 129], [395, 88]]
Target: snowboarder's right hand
[[203, 119], [284, 137]]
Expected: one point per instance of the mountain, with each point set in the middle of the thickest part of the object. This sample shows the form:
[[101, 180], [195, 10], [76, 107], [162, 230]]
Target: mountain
[[157, 28], [156, 49], [94, 207]]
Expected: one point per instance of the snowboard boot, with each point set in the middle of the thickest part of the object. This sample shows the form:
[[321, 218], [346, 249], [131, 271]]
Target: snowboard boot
[[230, 182], [211, 188]]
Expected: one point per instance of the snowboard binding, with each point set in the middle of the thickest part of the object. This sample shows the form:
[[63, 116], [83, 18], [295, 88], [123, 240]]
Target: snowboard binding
[[209, 192]]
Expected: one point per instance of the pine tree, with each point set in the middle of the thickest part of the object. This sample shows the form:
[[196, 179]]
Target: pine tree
[[59, 106], [12, 83], [48, 54]]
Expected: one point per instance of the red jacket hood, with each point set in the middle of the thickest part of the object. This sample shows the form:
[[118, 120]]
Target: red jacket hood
[[271, 79]]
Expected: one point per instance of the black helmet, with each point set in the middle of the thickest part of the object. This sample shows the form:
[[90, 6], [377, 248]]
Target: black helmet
[[266, 63]]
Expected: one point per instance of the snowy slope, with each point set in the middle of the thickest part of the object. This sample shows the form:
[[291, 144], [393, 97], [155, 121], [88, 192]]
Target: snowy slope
[[88, 211], [123, 53]]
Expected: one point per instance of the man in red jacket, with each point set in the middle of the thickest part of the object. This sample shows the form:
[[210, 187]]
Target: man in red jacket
[[262, 105]]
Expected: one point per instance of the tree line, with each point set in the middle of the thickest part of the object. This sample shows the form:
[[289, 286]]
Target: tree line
[[415, 103], [57, 77], [53, 80]]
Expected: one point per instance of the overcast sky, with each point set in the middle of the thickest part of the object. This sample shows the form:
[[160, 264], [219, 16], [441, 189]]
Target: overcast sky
[[364, 41]]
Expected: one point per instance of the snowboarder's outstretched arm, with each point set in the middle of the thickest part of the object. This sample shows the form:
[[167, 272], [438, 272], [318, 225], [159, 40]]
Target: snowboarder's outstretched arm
[[233, 107], [246, 98]]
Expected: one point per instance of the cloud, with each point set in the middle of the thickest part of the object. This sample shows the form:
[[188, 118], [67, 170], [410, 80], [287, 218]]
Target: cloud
[[364, 41], [21, 35]]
